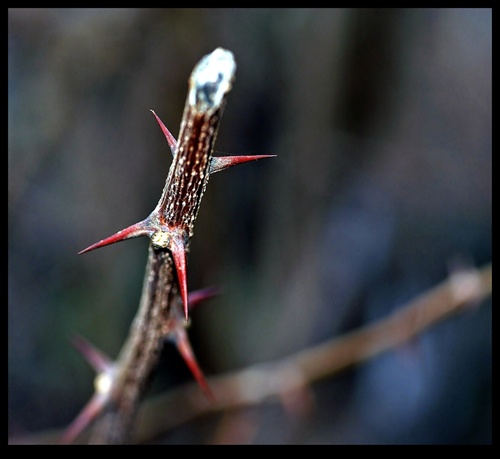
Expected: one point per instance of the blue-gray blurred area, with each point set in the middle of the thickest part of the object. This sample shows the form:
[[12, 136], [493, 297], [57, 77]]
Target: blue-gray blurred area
[[382, 123]]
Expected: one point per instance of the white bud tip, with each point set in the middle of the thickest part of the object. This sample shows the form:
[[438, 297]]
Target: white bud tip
[[211, 79]]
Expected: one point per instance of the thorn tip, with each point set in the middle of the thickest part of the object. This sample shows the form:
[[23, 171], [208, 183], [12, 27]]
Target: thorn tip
[[219, 163], [178, 249], [135, 230], [172, 143], [184, 347]]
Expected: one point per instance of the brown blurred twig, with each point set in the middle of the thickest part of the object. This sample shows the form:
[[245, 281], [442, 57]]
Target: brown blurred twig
[[274, 380]]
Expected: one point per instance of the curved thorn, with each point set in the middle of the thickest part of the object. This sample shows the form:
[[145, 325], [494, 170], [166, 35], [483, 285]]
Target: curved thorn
[[172, 143], [186, 351], [219, 163], [138, 229], [178, 249]]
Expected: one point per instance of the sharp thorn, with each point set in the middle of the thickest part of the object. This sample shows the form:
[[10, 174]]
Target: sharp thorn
[[102, 364], [99, 361], [219, 163], [89, 412], [172, 143], [136, 230], [199, 296], [184, 347], [178, 249]]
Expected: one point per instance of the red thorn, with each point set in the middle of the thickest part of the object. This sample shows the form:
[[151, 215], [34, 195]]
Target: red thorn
[[199, 296], [178, 249], [172, 143], [89, 412], [135, 230], [219, 163], [99, 361], [186, 351]]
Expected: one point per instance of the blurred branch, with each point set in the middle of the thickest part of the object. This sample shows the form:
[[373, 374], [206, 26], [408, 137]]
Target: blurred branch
[[275, 380]]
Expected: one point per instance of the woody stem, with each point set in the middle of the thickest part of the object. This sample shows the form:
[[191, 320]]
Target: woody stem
[[160, 303]]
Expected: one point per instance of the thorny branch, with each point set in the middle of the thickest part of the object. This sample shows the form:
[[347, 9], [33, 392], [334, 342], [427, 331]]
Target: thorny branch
[[163, 308]]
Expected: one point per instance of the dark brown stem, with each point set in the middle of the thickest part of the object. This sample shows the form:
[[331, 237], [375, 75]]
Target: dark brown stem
[[189, 172], [170, 227], [141, 350]]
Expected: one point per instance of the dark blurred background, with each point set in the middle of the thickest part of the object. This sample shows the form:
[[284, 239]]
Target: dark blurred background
[[382, 123]]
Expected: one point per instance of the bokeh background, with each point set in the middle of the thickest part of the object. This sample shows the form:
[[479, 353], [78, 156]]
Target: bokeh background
[[382, 123]]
